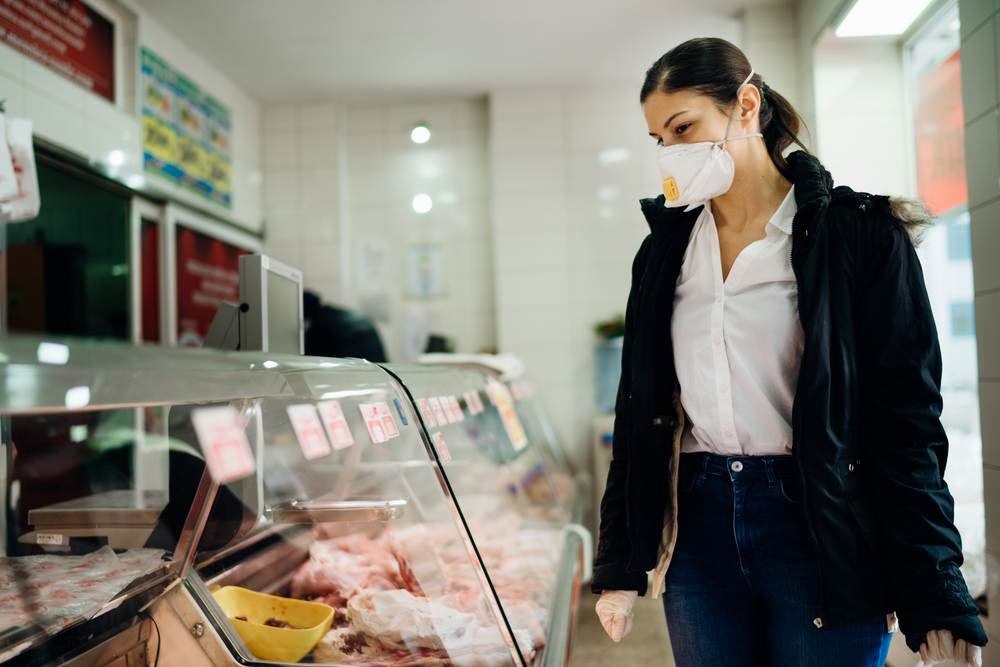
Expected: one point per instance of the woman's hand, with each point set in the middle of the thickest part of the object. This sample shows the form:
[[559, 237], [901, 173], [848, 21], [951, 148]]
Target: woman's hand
[[615, 611], [939, 645]]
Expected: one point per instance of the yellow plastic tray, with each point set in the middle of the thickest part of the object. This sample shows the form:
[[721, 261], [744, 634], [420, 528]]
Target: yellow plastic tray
[[266, 642]]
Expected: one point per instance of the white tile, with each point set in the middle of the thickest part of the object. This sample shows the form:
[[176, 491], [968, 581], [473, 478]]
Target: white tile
[[281, 151], [987, 333], [286, 253], [979, 74], [101, 142], [55, 122], [991, 652], [531, 251], [321, 259], [13, 91], [992, 624], [604, 98], [982, 159], [438, 117], [281, 118], [525, 103], [319, 187], [524, 212], [528, 175], [972, 13], [319, 148], [989, 417], [533, 288], [535, 326], [473, 115], [367, 119], [606, 131], [991, 498], [527, 136], [367, 189], [54, 86], [367, 152], [318, 225], [281, 190], [11, 62], [985, 230], [768, 21], [319, 116]]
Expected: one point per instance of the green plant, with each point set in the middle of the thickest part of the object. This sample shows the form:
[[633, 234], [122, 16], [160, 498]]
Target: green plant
[[611, 328]]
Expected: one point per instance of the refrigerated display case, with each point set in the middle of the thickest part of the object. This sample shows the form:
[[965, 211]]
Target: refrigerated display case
[[271, 508]]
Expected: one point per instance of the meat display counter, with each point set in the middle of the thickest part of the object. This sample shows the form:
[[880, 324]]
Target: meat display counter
[[252, 508]]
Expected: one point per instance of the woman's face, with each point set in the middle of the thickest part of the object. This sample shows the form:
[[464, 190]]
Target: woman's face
[[685, 117]]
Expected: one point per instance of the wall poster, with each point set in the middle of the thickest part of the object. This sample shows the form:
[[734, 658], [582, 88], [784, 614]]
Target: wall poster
[[208, 273], [185, 132], [66, 36], [426, 277], [940, 131]]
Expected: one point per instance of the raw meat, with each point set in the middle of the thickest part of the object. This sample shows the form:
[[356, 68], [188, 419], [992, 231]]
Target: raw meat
[[340, 568], [419, 565], [401, 620]]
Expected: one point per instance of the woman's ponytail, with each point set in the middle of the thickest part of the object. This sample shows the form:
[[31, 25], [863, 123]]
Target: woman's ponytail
[[716, 68]]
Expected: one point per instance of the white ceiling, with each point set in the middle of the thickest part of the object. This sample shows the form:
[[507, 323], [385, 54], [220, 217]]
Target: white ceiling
[[300, 50]]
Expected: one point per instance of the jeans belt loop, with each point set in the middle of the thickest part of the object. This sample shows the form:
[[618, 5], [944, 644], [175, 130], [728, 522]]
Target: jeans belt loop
[[772, 480], [704, 467]]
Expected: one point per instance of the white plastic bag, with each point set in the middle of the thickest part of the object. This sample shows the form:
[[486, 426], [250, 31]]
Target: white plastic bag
[[28, 201]]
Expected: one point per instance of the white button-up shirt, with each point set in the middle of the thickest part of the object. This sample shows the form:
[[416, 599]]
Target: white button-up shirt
[[738, 343]]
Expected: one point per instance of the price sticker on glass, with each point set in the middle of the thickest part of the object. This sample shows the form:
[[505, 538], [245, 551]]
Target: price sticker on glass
[[308, 430], [336, 424], [223, 443]]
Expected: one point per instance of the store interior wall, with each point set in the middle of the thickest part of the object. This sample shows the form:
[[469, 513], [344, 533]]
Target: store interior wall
[[340, 181], [980, 20], [90, 126]]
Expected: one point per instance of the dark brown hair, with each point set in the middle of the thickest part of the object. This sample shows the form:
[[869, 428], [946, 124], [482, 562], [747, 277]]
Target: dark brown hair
[[714, 67]]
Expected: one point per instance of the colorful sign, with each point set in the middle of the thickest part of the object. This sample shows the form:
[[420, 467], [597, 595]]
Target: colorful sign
[[940, 131], [66, 36], [208, 273], [185, 132]]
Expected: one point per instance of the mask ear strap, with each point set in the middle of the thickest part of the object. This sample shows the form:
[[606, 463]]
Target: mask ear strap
[[735, 104]]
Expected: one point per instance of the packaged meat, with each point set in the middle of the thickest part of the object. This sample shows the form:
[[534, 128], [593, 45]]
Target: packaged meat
[[399, 619]]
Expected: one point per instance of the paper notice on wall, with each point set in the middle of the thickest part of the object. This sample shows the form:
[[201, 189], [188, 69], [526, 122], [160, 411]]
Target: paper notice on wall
[[8, 180], [308, 430], [336, 424], [426, 413], [457, 409], [441, 447], [438, 411], [223, 443], [26, 204]]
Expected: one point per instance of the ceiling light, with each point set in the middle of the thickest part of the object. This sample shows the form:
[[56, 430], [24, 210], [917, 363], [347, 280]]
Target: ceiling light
[[422, 203], [270, 364], [135, 181], [53, 353], [77, 397], [420, 134], [116, 159], [880, 17]]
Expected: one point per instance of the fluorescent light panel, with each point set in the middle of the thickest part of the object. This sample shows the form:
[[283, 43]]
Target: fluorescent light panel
[[880, 17]]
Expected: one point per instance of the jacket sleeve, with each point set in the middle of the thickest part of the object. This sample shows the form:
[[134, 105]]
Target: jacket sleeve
[[904, 447], [613, 541]]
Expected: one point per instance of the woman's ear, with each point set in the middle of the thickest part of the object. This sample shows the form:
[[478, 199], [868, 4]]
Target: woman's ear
[[749, 101]]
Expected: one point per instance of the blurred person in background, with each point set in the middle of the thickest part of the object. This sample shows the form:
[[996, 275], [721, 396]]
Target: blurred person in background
[[335, 332], [778, 453]]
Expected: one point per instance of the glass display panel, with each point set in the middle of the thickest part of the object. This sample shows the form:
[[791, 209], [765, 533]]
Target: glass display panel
[[283, 316]]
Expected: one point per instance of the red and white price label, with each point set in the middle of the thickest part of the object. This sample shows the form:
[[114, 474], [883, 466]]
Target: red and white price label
[[515, 391], [388, 424], [448, 412], [223, 443], [442, 449], [426, 413], [475, 402], [336, 424], [438, 412], [308, 430], [373, 422], [456, 408]]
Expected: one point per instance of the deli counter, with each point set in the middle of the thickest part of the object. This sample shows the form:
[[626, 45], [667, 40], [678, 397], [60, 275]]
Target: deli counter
[[198, 507]]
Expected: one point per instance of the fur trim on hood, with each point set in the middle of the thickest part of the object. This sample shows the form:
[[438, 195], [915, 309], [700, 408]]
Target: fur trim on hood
[[914, 216]]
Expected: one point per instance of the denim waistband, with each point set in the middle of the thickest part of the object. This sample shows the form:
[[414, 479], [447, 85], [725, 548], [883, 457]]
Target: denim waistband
[[716, 465]]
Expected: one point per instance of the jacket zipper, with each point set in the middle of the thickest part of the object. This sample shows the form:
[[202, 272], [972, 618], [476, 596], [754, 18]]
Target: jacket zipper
[[795, 438]]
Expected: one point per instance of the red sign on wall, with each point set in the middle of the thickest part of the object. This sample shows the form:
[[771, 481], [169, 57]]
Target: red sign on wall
[[208, 273], [941, 137], [66, 36]]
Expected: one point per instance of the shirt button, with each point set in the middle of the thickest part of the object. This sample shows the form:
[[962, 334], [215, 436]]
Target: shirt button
[[736, 466], [717, 341], [723, 388], [718, 299], [728, 434]]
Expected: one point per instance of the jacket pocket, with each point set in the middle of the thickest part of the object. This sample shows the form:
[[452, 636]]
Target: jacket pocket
[[861, 509], [791, 489]]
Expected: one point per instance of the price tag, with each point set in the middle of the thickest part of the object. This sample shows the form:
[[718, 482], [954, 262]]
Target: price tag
[[438, 412], [48, 538], [426, 413], [457, 409], [373, 422], [505, 404], [475, 402], [442, 449], [515, 391], [388, 424], [448, 412], [308, 430], [335, 423], [223, 443]]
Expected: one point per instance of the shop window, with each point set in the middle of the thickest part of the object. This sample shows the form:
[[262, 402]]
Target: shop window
[[67, 269], [963, 319], [959, 241]]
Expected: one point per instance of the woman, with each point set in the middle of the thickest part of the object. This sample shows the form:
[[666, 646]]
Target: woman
[[777, 441]]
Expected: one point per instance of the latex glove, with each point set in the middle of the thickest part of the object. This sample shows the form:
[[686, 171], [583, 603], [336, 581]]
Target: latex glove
[[939, 645], [615, 611]]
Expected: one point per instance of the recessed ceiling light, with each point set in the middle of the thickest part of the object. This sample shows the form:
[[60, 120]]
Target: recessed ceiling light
[[116, 159], [868, 18], [422, 203], [420, 134]]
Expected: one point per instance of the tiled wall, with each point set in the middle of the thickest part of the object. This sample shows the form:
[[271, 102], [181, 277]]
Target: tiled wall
[[337, 177], [980, 26]]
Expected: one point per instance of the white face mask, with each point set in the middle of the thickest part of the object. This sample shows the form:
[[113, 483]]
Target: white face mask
[[695, 173]]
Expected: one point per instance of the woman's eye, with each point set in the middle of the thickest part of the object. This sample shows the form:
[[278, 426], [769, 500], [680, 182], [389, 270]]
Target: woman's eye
[[659, 142], [682, 128]]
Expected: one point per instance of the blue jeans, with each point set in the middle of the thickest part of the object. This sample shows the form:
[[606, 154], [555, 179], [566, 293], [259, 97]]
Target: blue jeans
[[742, 587]]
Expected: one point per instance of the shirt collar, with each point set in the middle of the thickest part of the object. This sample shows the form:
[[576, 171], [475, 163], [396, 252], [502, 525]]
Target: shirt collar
[[782, 218]]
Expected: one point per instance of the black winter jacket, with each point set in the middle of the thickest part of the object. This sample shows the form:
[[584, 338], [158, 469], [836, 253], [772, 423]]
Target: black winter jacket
[[866, 431]]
